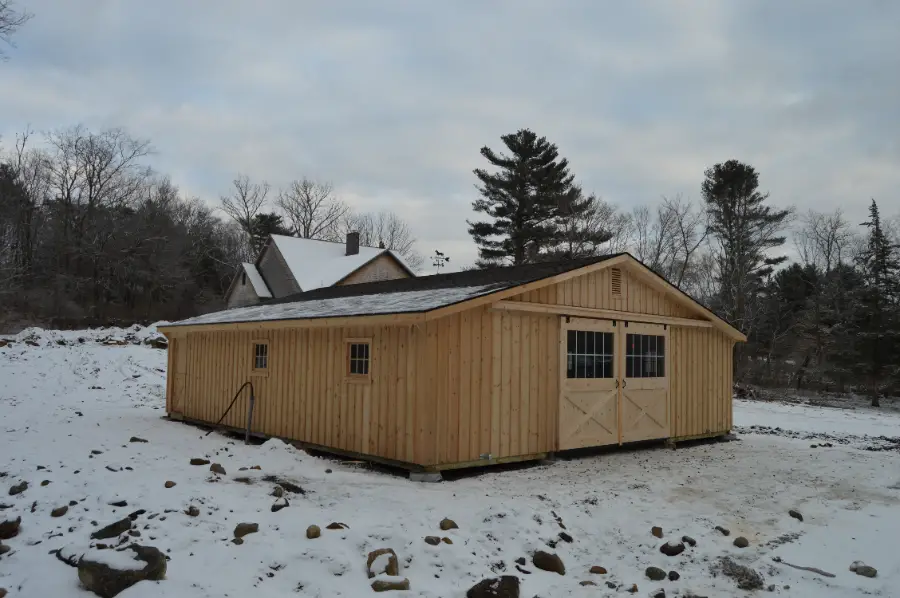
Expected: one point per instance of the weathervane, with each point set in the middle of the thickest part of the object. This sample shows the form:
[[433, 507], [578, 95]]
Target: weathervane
[[439, 260]]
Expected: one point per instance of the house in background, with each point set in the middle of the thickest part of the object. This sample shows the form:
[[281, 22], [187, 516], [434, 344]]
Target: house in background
[[288, 265]]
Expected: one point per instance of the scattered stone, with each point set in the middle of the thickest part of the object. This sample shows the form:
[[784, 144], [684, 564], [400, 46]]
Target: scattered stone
[[656, 531], [10, 528], [506, 586], [281, 503], [136, 514], [448, 524], [520, 561], [118, 503], [217, 468], [746, 578], [674, 576], [596, 570], [336, 525], [106, 581], [2, 590], [611, 585], [446, 540], [670, 549], [96, 452], [134, 532], [277, 491], [723, 531], [113, 469], [375, 565], [45, 483], [198, 461], [72, 503], [860, 568], [59, 511], [689, 541], [313, 532], [741, 542], [327, 471], [112, 530], [796, 514], [192, 511], [237, 541], [435, 540], [256, 467], [565, 537], [633, 589], [137, 439], [242, 529], [18, 488], [660, 593], [587, 583], [771, 587], [546, 561], [655, 573], [4, 548], [521, 570], [387, 585], [170, 484]]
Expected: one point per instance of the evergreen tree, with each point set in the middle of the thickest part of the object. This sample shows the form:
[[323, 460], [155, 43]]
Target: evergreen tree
[[523, 200], [877, 309], [263, 225]]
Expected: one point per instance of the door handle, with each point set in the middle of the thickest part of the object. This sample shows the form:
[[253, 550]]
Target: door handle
[[617, 383], [624, 382]]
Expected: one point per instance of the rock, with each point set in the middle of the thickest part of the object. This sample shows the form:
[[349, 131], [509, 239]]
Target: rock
[[548, 562], [433, 540], [673, 576], [598, 570], [746, 578], [198, 461], [796, 514], [134, 532], [170, 484], [4, 548], [336, 525], [383, 560], [723, 531], [106, 581], [96, 452], [18, 488], [506, 586], [655, 573], [242, 529], [771, 587], [611, 585], [587, 583], [689, 541], [633, 589], [860, 568], [133, 516], [256, 467], [118, 503], [10, 528], [741, 542], [327, 471], [660, 593], [448, 524], [237, 541], [112, 530], [313, 532], [2, 590], [565, 537], [72, 503], [446, 540], [192, 511], [59, 511], [386, 584], [672, 549], [137, 439], [656, 531], [281, 503], [45, 483], [217, 468], [277, 491]]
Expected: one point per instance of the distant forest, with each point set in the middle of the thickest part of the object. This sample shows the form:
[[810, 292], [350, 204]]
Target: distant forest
[[90, 235]]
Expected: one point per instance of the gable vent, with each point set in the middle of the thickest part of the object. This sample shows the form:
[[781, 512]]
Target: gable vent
[[616, 282]]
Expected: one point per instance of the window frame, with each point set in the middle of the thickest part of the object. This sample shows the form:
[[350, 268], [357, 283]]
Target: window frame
[[353, 377], [257, 371], [594, 353], [636, 362]]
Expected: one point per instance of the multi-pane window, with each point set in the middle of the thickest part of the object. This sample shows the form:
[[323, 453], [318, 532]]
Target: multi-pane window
[[260, 356], [359, 359], [645, 356], [589, 354]]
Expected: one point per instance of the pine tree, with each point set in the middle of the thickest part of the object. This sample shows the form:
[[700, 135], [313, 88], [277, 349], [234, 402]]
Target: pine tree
[[263, 225], [877, 309], [523, 200]]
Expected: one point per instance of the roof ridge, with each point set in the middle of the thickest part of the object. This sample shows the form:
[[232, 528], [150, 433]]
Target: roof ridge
[[326, 241]]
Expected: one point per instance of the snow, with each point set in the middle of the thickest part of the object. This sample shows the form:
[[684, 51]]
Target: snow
[[60, 402], [316, 264], [381, 563], [256, 280], [384, 303], [121, 559]]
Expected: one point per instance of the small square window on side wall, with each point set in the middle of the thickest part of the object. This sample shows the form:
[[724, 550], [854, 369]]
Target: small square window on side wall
[[358, 359], [259, 358]]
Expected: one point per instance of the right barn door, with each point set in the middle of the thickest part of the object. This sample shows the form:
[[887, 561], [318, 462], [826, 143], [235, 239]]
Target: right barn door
[[644, 395]]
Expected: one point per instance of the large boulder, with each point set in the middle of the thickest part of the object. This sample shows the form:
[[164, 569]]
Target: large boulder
[[387, 584], [10, 528], [110, 572], [242, 529], [383, 561], [655, 573], [548, 562], [496, 587], [672, 548]]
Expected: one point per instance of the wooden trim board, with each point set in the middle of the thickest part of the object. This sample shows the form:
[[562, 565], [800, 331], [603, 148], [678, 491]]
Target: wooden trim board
[[605, 314]]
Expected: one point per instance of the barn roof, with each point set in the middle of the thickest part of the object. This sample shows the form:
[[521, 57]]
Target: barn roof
[[402, 295]]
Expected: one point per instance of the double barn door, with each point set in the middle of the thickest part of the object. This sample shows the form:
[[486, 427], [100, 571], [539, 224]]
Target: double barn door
[[614, 386]]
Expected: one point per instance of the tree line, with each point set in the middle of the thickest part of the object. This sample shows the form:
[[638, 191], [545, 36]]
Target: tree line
[[827, 320], [91, 235]]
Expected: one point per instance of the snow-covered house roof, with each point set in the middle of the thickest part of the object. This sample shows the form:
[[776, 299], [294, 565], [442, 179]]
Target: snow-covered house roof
[[315, 264], [256, 280]]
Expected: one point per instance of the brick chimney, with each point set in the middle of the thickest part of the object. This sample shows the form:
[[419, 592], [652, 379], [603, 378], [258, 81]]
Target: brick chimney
[[352, 243]]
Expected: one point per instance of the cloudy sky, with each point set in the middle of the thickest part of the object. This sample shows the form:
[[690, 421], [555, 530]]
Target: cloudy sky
[[391, 100]]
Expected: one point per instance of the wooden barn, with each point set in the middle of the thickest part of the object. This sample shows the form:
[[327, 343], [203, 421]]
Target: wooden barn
[[464, 369]]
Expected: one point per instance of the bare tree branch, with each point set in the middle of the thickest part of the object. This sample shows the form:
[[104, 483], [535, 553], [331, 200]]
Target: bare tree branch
[[312, 211], [10, 22]]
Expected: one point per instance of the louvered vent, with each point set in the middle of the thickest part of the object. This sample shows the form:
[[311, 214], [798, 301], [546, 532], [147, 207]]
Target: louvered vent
[[616, 282]]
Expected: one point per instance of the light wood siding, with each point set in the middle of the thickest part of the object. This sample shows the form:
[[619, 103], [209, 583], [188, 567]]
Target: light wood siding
[[700, 382], [242, 292], [594, 290], [384, 267]]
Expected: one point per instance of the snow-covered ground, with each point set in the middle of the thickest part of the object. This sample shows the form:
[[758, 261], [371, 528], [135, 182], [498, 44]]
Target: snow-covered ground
[[60, 402]]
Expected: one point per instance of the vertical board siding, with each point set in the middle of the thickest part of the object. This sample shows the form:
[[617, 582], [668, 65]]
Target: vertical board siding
[[700, 381]]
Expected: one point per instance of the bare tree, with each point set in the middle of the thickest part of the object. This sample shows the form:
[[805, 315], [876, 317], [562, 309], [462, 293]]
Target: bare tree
[[667, 238], [10, 22], [312, 211], [385, 229], [823, 240], [243, 206]]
